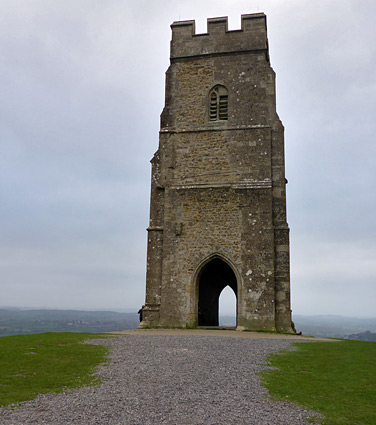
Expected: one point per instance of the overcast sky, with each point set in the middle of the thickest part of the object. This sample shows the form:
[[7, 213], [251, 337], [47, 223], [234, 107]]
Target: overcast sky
[[81, 91]]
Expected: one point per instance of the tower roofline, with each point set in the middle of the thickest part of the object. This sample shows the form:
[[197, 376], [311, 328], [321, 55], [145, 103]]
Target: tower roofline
[[222, 19], [218, 39]]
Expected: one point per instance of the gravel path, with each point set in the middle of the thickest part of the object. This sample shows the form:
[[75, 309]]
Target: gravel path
[[170, 379]]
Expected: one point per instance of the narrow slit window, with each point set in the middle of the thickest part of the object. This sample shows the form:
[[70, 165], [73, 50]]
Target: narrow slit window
[[218, 104]]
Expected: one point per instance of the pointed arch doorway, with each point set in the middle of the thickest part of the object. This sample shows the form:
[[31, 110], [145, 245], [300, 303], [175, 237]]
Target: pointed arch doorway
[[214, 276]]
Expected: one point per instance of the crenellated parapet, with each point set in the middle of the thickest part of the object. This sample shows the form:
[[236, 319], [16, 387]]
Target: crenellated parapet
[[219, 40]]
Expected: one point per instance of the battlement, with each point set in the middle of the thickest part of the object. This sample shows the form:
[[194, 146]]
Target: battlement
[[218, 39]]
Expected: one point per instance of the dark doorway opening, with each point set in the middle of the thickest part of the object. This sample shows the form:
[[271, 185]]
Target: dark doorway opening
[[213, 278]]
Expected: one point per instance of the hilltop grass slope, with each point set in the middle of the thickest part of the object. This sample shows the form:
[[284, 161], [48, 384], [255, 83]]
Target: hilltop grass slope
[[44, 363], [335, 379]]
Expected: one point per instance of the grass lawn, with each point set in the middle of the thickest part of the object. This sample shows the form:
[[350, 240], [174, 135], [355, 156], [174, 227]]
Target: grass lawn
[[43, 363], [337, 379]]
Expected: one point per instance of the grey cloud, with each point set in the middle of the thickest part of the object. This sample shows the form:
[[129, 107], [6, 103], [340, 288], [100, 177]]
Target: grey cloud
[[82, 87]]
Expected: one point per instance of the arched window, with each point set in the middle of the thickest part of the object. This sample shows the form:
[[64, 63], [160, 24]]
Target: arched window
[[218, 103]]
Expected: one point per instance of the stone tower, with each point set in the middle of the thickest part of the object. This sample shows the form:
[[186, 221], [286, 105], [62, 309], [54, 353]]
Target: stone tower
[[218, 200]]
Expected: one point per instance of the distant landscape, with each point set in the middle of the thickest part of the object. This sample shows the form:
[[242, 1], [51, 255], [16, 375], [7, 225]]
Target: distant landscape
[[332, 326], [17, 321]]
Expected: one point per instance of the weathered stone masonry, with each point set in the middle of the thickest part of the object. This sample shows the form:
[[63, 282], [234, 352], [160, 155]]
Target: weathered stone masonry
[[218, 200]]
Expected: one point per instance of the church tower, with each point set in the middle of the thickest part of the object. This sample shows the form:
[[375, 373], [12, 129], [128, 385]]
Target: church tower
[[218, 199]]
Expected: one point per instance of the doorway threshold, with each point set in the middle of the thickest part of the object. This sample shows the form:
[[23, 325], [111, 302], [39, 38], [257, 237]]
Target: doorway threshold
[[218, 328]]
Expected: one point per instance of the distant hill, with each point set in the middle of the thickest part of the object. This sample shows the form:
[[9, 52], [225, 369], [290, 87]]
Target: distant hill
[[329, 326], [364, 336], [227, 321], [332, 326], [18, 322]]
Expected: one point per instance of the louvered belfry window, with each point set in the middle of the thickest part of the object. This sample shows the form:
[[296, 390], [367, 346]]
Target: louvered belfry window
[[218, 103]]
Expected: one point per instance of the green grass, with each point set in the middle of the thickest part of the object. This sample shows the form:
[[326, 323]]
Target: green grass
[[337, 379], [43, 363]]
